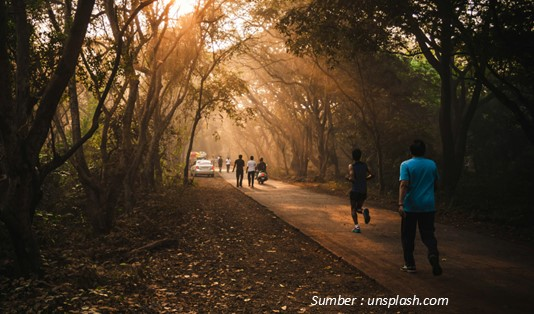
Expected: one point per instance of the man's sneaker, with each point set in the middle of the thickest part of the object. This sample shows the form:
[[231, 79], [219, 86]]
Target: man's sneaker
[[366, 215], [356, 230], [408, 269], [436, 268]]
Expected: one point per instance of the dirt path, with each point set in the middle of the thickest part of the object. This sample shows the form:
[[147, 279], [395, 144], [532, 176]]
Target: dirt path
[[204, 249], [481, 274]]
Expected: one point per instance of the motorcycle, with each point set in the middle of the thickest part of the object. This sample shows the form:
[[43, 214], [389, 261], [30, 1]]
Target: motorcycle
[[262, 177]]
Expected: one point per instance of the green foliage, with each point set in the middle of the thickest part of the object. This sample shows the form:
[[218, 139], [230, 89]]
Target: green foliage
[[336, 28], [229, 87], [44, 43], [426, 76], [402, 102]]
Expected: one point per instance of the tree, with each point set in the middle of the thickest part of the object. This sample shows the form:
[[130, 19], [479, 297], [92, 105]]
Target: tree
[[215, 87], [105, 182], [25, 118], [28, 112], [507, 68], [339, 29], [363, 102], [377, 107]]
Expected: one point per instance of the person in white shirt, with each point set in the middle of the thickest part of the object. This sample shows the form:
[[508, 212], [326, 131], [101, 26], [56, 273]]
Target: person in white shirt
[[228, 162], [251, 171]]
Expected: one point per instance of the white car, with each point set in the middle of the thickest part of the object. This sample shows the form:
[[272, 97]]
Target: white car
[[203, 167]]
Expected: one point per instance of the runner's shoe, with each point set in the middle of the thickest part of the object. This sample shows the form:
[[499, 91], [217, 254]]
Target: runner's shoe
[[366, 215], [356, 230], [436, 268], [408, 269]]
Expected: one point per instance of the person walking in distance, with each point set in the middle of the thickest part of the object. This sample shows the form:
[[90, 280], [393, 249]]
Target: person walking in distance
[[358, 174], [228, 162], [262, 166], [251, 171], [219, 163], [240, 165], [418, 183]]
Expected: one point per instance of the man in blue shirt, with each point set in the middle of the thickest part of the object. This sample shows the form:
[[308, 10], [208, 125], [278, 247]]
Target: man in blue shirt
[[418, 182]]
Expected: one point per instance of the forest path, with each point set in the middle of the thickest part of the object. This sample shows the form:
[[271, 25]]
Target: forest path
[[480, 274]]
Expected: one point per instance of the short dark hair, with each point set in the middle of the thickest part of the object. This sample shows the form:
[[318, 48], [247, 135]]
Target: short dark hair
[[251, 157], [240, 156], [356, 154], [418, 148]]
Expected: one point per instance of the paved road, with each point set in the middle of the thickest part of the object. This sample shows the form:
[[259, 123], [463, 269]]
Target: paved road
[[480, 274]]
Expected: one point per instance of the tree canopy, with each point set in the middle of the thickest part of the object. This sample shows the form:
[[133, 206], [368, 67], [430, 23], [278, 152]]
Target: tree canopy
[[457, 38]]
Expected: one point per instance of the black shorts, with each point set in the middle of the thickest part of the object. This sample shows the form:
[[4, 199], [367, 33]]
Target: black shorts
[[357, 196]]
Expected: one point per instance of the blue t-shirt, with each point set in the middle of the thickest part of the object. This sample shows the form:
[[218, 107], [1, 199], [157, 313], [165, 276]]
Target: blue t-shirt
[[359, 183], [422, 173]]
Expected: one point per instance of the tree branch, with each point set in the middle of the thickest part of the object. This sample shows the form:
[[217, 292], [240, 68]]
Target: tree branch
[[95, 123]]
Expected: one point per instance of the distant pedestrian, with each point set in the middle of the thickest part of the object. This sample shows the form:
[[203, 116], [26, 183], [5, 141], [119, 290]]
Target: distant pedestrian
[[262, 166], [228, 162], [240, 165], [251, 171], [418, 183], [359, 173], [219, 162]]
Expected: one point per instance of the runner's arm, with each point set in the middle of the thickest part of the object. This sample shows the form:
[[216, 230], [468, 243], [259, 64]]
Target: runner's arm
[[403, 189], [370, 175], [350, 175]]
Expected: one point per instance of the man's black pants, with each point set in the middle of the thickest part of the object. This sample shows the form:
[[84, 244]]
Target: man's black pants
[[426, 230], [250, 177], [239, 177]]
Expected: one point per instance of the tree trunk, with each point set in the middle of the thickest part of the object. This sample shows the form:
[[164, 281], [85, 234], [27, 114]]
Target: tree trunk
[[456, 115], [22, 136], [334, 160], [380, 161], [284, 158], [95, 213], [22, 194], [198, 116], [190, 147], [126, 150], [450, 177], [323, 156], [447, 138]]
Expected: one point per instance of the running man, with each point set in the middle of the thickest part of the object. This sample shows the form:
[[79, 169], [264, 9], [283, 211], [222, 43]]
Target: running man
[[358, 174]]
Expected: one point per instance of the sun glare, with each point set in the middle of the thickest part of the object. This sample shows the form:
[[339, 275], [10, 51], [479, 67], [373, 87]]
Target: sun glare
[[180, 7]]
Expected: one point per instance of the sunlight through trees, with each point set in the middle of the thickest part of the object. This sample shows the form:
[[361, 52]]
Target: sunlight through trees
[[109, 98]]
